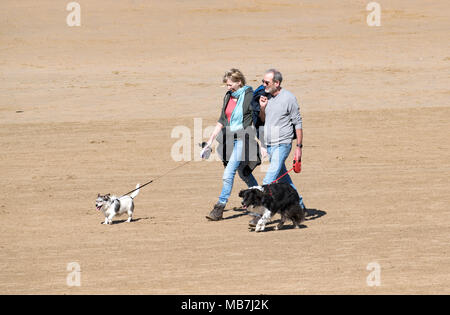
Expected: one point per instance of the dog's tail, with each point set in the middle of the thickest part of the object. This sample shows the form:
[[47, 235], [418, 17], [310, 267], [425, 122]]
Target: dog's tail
[[135, 193]]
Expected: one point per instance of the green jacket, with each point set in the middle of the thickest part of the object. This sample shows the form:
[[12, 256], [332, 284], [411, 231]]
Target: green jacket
[[249, 160]]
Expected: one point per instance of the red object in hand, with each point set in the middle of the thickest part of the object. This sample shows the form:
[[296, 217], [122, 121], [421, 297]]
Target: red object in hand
[[297, 166]]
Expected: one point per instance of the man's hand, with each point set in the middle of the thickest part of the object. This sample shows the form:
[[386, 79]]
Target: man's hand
[[298, 154], [263, 102]]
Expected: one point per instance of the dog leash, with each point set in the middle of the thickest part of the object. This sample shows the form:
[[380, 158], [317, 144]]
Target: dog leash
[[297, 167], [281, 176], [202, 145], [156, 178], [137, 188], [159, 176]]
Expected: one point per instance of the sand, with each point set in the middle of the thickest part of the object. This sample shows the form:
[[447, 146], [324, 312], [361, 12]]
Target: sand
[[91, 109]]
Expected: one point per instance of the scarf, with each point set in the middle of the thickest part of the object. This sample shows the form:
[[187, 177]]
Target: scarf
[[237, 116]]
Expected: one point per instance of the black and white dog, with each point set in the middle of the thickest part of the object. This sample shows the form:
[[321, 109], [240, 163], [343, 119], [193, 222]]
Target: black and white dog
[[274, 198], [112, 206]]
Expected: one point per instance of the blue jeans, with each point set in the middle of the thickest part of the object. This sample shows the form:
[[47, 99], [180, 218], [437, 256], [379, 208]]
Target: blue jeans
[[277, 157], [230, 172]]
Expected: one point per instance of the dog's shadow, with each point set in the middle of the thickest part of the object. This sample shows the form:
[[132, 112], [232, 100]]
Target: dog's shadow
[[125, 220], [311, 214], [271, 226]]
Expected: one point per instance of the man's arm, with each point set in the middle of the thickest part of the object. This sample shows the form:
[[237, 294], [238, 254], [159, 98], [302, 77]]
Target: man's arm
[[262, 104], [298, 149], [296, 119], [262, 114]]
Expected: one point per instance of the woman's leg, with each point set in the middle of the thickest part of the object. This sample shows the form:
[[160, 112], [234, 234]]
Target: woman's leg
[[250, 180], [230, 172]]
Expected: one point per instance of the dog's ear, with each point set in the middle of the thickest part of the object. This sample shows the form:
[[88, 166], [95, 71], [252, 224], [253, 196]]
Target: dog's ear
[[98, 195]]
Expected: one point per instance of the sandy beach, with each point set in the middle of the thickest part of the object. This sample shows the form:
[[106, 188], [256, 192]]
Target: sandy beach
[[91, 109]]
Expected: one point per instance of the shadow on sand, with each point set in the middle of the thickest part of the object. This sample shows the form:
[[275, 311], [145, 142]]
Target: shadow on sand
[[125, 220], [311, 214]]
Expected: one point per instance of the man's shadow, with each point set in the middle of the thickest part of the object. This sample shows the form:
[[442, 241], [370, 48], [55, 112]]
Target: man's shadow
[[313, 214]]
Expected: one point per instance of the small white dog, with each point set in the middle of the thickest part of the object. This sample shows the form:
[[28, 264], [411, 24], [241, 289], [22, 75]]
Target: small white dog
[[112, 206]]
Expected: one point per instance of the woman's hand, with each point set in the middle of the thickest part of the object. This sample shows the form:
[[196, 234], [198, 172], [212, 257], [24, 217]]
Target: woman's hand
[[206, 150]]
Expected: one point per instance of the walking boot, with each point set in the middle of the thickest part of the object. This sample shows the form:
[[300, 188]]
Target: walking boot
[[217, 213]]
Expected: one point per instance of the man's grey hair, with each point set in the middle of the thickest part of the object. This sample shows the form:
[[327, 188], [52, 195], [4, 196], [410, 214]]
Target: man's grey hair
[[276, 75]]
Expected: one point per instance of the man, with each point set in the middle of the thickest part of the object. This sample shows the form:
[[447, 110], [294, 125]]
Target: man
[[280, 113]]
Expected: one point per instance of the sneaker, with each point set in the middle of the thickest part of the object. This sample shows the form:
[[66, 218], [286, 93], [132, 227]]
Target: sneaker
[[217, 212]]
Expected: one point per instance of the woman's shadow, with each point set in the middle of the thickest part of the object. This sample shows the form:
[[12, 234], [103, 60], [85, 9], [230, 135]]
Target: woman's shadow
[[239, 213]]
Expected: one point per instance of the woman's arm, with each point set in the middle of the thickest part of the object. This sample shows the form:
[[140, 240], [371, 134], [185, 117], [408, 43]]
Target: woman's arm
[[216, 131]]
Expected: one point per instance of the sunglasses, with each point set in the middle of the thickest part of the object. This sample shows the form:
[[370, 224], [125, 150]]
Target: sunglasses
[[265, 82]]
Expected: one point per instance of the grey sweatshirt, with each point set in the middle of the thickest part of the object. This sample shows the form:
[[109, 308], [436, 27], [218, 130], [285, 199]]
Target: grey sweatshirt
[[282, 118]]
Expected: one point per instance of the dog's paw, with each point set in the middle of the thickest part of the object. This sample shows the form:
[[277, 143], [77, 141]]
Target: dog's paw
[[278, 227], [259, 228]]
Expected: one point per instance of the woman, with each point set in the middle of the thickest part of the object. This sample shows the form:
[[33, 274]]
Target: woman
[[236, 116]]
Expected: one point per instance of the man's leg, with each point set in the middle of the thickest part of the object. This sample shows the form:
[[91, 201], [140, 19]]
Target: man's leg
[[287, 179], [277, 157]]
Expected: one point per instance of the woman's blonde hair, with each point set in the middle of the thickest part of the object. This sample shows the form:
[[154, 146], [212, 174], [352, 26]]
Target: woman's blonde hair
[[235, 75]]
